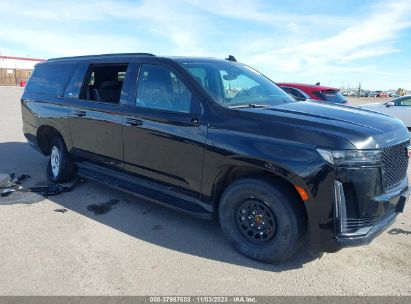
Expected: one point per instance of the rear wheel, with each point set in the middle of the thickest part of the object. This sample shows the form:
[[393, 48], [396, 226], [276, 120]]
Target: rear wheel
[[261, 220], [59, 168]]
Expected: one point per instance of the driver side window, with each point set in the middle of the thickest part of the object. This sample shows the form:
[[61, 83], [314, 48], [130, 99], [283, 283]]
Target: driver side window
[[161, 89]]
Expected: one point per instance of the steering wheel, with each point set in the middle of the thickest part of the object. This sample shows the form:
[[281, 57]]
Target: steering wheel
[[248, 92]]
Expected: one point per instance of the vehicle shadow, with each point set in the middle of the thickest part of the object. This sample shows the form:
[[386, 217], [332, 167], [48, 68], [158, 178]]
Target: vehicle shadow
[[140, 219], [399, 231]]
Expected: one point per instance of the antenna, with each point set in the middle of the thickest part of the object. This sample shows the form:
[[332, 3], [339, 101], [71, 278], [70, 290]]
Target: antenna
[[231, 58]]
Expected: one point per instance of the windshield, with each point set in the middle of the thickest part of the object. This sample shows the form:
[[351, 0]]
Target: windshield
[[235, 85]]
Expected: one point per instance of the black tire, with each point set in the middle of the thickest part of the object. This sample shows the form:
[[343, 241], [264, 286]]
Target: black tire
[[64, 171], [274, 199]]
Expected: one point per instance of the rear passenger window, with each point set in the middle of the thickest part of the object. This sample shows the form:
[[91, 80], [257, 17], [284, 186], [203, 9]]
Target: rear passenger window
[[159, 88], [49, 78], [103, 83]]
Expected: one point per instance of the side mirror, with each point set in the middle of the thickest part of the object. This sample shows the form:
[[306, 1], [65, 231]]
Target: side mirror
[[390, 104]]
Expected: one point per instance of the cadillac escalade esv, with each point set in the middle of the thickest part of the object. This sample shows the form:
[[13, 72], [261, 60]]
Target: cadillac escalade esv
[[215, 138]]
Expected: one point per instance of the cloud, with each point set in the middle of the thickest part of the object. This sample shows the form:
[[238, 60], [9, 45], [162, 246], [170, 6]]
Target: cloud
[[371, 36], [83, 21], [279, 40], [53, 43]]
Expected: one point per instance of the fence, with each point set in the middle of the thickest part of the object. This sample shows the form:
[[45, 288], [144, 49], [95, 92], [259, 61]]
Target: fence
[[13, 76]]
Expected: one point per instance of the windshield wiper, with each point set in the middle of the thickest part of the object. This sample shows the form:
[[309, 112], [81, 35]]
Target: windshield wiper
[[250, 105]]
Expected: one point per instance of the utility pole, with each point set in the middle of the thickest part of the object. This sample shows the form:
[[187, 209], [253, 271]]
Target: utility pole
[[359, 89], [15, 74]]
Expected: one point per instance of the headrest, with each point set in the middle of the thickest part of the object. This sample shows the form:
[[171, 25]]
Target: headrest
[[110, 84]]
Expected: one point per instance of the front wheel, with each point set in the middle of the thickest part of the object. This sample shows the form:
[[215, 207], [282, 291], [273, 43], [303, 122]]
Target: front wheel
[[263, 221], [59, 168]]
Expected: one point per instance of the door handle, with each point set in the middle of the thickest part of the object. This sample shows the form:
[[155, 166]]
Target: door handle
[[194, 121], [133, 122], [80, 113]]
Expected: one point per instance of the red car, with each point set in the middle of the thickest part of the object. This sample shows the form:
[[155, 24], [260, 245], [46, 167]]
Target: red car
[[382, 94], [302, 91]]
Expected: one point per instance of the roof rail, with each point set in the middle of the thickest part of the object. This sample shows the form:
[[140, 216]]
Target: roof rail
[[101, 56]]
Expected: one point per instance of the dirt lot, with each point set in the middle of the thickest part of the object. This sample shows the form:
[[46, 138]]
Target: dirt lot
[[137, 248], [363, 100]]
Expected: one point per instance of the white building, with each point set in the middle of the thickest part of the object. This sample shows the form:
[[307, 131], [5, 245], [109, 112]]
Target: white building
[[14, 70]]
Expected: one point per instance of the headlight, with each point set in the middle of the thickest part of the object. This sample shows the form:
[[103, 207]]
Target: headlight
[[350, 157]]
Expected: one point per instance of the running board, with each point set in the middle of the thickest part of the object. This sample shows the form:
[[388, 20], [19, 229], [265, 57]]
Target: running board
[[145, 190]]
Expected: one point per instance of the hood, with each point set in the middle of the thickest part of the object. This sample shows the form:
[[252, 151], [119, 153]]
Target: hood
[[372, 106], [362, 128]]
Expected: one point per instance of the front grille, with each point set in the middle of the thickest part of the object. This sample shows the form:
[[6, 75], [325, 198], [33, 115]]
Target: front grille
[[395, 162], [352, 225]]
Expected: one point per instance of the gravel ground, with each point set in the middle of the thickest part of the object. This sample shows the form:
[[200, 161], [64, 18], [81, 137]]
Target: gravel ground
[[137, 248], [363, 100]]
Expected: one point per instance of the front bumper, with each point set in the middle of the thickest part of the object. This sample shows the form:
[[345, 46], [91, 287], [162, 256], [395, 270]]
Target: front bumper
[[397, 199]]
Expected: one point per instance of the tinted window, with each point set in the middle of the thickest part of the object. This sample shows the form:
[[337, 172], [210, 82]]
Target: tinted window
[[236, 85], [294, 92], [297, 93], [50, 78], [331, 96], [104, 83], [159, 88], [74, 85], [403, 102]]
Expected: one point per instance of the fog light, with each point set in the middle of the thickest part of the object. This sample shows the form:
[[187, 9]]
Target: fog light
[[347, 226], [340, 210]]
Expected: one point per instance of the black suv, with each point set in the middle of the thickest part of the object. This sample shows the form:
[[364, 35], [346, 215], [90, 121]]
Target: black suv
[[216, 138]]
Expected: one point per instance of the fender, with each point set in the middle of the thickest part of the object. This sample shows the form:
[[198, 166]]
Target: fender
[[53, 113]]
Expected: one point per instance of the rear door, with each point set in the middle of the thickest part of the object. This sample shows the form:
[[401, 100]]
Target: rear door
[[165, 131], [43, 102], [96, 115]]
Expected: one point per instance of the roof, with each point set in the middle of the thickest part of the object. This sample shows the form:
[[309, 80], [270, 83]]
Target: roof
[[102, 56], [311, 87], [197, 59], [130, 55]]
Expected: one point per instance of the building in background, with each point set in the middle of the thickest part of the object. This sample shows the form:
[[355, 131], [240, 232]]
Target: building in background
[[16, 70]]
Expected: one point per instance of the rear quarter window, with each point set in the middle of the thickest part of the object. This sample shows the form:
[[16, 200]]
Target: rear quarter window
[[331, 96], [50, 79]]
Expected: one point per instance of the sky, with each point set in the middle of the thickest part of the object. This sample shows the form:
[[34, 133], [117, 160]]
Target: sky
[[338, 43]]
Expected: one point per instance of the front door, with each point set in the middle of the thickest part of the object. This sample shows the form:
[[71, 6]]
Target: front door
[[164, 131]]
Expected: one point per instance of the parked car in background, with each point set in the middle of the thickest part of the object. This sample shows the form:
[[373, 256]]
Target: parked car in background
[[363, 94], [399, 108], [372, 94], [382, 94], [296, 93], [314, 92]]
